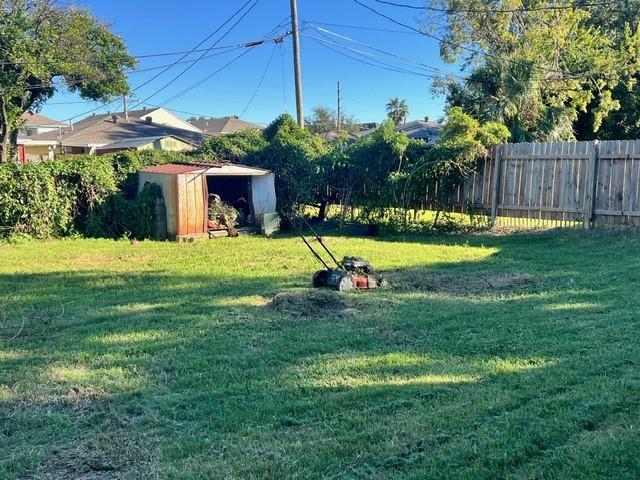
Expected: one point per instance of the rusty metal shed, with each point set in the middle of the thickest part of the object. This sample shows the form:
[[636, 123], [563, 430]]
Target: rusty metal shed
[[186, 189]]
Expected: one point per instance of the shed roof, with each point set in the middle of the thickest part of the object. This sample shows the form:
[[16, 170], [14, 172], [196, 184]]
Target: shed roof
[[219, 169]]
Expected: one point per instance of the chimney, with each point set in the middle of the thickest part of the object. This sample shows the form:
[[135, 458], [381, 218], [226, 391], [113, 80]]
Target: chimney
[[114, 117], [144, 109], [148, 119]]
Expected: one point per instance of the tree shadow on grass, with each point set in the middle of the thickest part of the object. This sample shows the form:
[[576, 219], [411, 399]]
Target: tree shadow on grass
[[156, 375]]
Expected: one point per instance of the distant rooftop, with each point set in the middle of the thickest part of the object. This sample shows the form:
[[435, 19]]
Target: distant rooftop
[[31, 119], [100, 130], [223, 125], [422, 129]]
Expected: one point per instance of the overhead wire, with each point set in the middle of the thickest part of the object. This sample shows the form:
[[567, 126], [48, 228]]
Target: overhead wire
[[185, 70], [469, 49], [360, 27], [282, 51], [264, 74], [496, 10], [371, 62], [201, 81], [220, 27], [376, 49]]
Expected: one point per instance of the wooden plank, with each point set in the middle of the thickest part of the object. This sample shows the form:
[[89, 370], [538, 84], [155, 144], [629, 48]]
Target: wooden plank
[[616, 179], [495, 187], [182, 213], [602, 189], [544, 209], [591, 181]]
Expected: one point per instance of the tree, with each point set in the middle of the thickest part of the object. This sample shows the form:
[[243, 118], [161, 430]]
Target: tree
[[238, 147], [46, 47], [397, 110], [362, 175], [325, 120], [538, 69]]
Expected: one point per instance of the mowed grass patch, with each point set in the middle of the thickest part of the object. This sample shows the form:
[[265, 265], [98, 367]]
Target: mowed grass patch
[[495, 357]]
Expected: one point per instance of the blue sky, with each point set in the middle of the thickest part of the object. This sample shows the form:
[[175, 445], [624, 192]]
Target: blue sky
[[154, 26]]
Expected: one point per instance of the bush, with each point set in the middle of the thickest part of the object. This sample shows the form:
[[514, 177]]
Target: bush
[[32, 201], [97, 196], [119, 217]]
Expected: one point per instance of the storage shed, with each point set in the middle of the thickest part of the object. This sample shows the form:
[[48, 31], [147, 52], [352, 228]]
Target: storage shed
[[186, 189]]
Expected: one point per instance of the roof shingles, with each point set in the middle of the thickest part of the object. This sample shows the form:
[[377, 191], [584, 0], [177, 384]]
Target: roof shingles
[[102, 130]]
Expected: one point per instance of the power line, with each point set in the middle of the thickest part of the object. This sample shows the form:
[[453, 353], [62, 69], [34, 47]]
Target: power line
[[496, 10], [461, 46], [436, 75], [264, 74], [276, 41], [166, 85], [393, 55], [176, 62], [359, 27], [282, 52], [228, 50], [201, 81], [331, 45]]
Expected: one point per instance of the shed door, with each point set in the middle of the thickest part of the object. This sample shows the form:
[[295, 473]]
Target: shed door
[[263, 194]]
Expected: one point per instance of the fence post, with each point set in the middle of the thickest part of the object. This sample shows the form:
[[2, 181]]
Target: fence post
[[495, 183], [591, 184]]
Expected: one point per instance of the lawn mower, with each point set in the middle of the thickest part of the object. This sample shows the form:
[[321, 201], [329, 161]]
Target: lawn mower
[[350, 273]]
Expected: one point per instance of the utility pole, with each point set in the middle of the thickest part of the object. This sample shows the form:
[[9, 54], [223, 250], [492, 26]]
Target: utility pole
[[126, 109], [297, 70], [339, 119]]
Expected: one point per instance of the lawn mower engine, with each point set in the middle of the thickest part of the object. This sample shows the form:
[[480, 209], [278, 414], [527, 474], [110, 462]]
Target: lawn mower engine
[[352, 272]]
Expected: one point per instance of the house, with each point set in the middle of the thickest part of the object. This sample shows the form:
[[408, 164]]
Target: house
[[134, 130], [417, 129], [187, 187], [158, 116], [420, 129], [34, 124], [215, 127]]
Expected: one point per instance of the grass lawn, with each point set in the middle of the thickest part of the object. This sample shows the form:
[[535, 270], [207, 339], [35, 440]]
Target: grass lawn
[[167, 364]]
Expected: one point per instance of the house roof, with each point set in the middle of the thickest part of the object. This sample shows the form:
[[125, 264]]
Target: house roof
[[31, 119], [218, 169], [102, 130], [134, 142], [420, 129], [223, 125]]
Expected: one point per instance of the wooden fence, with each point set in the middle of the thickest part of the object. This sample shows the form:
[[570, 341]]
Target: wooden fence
[[568, 182]]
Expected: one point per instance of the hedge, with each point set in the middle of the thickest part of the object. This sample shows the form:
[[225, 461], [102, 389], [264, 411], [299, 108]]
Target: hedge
[[84, 194]]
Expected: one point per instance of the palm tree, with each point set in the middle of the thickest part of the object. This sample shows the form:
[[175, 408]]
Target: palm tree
[[397, 110]]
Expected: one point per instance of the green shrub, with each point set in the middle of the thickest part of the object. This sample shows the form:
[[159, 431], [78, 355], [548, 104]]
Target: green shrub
[[33, 201], [119, 217], [97, 196]]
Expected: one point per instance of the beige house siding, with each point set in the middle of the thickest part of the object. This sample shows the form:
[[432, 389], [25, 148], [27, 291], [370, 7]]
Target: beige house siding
[[174, 145], [164, 117]]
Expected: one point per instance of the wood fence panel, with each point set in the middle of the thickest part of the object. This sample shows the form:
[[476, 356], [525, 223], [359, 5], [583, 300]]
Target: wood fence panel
[[558, 182]]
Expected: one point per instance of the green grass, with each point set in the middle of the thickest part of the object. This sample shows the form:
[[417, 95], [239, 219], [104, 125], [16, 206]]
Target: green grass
[[166, 363]]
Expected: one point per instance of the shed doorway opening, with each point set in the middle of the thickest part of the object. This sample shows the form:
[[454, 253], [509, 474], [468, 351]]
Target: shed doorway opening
[[229, 196]]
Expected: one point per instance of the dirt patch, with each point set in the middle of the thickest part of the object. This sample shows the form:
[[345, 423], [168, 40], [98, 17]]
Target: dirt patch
[[471, 284], [312, 302], [110, 455]]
